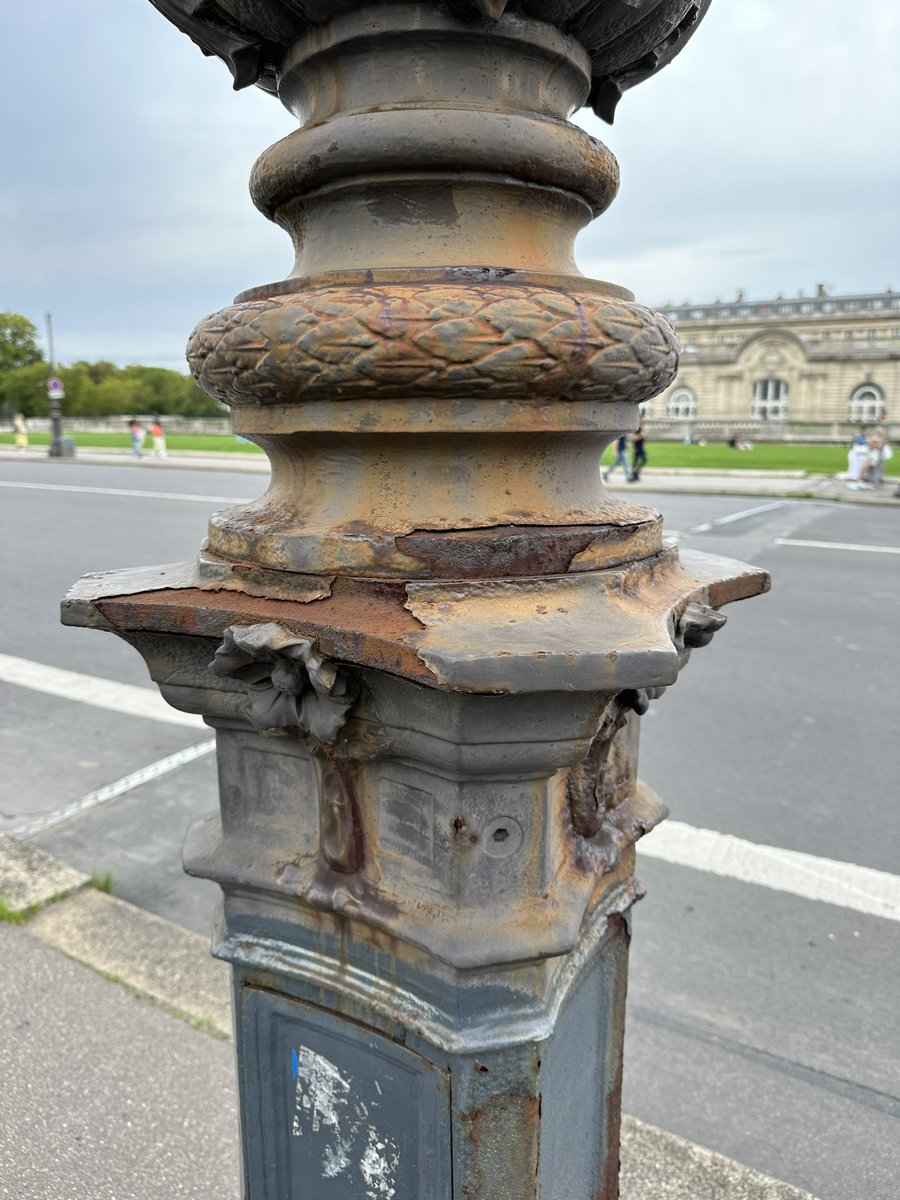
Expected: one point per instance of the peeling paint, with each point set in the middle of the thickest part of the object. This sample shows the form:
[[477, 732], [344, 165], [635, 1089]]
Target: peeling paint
[[379, 1166], [321, 1091], [325, 1104]]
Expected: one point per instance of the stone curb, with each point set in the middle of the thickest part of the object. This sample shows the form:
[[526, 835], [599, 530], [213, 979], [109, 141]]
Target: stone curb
[[173, 967]]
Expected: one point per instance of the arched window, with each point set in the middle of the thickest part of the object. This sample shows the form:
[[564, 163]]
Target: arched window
[[867, 403], [681, 405], [770, 400]]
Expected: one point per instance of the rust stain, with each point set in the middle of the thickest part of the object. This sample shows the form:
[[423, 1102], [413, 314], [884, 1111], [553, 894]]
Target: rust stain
[[515, 550], [611, 1163], [505, 1134], [362, 621]]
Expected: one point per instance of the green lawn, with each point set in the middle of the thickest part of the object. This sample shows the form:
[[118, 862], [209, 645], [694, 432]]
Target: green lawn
[[716, 456], [174, 441], [824, 460]]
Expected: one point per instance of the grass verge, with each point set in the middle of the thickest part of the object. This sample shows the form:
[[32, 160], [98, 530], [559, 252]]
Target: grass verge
[[715, 456], [222, 443]]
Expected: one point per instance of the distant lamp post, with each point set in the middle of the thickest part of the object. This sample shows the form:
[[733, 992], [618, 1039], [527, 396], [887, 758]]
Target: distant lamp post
[[60, 447]]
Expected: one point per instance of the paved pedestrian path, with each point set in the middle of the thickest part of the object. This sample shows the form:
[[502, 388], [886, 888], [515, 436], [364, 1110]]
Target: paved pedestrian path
[[118, 1072]]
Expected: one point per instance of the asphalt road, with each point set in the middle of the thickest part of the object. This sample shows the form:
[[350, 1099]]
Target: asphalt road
[[761, 1024]]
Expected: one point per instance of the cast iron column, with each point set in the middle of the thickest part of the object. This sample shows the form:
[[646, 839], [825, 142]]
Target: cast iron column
[[426, 647]]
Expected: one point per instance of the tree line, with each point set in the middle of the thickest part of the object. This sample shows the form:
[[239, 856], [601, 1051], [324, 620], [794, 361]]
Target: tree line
[[93, 389]]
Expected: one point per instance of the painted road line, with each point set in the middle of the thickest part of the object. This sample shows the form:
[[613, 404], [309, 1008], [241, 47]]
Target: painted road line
[[101, 491], [836, 546], [738, 516], [863, 889], [89, 689], [25, 827]]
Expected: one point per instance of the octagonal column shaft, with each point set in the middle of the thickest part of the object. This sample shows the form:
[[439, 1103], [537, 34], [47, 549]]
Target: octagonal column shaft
[[426, 649]]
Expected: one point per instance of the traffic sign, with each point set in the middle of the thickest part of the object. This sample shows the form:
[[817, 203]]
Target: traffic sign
[[55, 389]]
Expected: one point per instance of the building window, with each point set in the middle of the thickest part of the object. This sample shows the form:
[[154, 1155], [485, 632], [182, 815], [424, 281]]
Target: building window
[[681, 405], [770, 400], [867, 403]]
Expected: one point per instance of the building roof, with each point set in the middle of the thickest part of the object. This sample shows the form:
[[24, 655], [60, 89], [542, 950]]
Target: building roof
[[782, 306]]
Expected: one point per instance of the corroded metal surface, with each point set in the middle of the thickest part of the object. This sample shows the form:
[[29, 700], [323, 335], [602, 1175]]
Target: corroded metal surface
[[463, 199], [427, 647], [624, 627], [627, 41], [485, 342]]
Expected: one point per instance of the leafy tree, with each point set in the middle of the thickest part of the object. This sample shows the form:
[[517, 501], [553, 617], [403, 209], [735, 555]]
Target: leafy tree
[[18, 342], [24, 390], [99, 389]]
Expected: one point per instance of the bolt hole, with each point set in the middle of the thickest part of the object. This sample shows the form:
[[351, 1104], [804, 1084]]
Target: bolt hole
[[481, 1068], [500, 835]]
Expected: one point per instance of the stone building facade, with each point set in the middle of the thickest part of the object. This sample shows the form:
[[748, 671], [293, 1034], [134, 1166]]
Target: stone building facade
[[818, 361]]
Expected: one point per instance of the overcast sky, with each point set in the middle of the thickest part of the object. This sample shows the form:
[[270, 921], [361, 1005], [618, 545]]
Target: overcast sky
[[765, 158]]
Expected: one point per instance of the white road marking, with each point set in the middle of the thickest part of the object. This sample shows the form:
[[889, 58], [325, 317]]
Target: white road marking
[[863, 889], [837, 546], [738, 516], [25, 827], [88, 689], [101, 491]]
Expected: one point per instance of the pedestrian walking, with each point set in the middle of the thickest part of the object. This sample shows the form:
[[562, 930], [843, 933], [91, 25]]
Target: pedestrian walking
[[137, 438], [159, 439], [620, 460], [638, 454], [20, 429]]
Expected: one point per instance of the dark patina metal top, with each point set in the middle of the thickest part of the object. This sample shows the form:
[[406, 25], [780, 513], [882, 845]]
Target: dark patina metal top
[[627, 40]]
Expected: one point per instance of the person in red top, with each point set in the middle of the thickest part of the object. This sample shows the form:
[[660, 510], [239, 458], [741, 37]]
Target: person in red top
[[159, 439]]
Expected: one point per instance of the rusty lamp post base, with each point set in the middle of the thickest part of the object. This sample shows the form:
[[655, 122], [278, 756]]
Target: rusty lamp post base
[[426, 648]]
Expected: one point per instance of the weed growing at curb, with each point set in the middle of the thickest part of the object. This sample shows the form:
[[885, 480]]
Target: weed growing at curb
[[15, 916], [103, 881], [19, 916], [201, 1024]]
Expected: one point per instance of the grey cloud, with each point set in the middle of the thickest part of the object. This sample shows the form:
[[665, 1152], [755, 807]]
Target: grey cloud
[[763, 157]]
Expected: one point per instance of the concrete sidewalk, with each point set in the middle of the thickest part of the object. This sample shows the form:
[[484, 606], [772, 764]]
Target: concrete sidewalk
[[117, 1069], [737, 482]]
